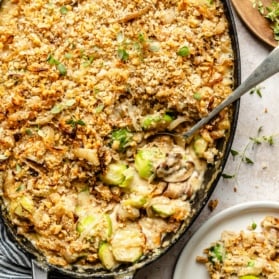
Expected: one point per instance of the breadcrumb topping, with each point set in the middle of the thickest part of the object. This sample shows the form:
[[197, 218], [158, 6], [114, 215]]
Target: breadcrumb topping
[[84, 87]]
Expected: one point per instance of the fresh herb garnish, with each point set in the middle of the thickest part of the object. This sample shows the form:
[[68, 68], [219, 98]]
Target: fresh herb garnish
[[61, 69], [254, 226], [245, 155], [74, 123], [256, 90], [123, 54], [64, 10], [59, 66], [183, 51], [217, 253]]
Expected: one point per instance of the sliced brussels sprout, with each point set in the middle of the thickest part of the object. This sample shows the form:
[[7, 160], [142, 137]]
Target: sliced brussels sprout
[[163, 210], [108, 226], [106, 256], [137, 201], [145, 161], [98, 225], [129, 174], [114, 174], [27, 203], [200, 146], [155, 120], [22, 207], [121, 138], [249, 277], [165, 207], [86, 224], [127, 243]]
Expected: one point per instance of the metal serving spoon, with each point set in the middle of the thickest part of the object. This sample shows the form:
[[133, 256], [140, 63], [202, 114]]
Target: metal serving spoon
[[266, 69]]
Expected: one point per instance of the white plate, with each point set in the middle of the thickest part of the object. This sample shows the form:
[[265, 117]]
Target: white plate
[[235, 218]]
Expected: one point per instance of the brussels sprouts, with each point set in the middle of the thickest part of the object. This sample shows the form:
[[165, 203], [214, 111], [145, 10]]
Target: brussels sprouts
[[145, 161], [114, 174], [136, 201], [249, 277], [99, 224], [155, 120], [200, 146], [86, 224], [118, 174], [106, 256], [127, 243], [163, 210]]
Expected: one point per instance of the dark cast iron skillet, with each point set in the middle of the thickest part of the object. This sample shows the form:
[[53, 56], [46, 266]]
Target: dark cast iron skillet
[[41, 268]]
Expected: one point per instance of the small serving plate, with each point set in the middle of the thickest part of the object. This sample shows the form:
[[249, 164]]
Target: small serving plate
[[235, 218]]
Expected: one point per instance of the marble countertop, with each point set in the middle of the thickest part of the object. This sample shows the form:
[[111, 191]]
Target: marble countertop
[[253, 182]]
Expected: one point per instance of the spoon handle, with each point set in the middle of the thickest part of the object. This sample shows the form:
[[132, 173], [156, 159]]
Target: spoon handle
[[266, 69]]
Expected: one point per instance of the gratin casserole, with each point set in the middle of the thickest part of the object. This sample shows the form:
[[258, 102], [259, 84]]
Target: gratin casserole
[[85, 88]]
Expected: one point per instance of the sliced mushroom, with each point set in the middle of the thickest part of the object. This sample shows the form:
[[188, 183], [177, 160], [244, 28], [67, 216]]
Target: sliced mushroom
[[174, 169], [182, 190], [36, 166]]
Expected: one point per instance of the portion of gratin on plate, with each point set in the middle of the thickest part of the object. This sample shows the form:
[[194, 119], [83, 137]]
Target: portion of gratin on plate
[[84, 87], [247, 254]]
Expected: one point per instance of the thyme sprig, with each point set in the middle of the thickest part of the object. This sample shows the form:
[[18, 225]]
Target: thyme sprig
[[244, 156]]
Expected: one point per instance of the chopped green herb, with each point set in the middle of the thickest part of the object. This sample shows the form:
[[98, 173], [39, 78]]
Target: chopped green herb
[[64, 10], [234, 152], [75, 123], [269, 139], [88, 60], [28, 132], [51, 60], [62, 69], [183, 51], [251, 263], [216, 253], [228, 176], [20, 188], [122, 54], [57, 108], [254, 226], [59, 66], [141, 38], [18, 168], [96, 90], [68, 55], [197, 96], [99, 108], [121, 138], [256, 90], [247, 160]]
